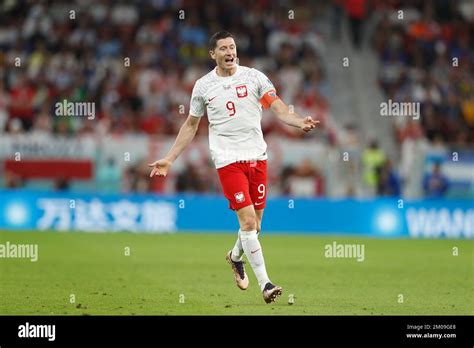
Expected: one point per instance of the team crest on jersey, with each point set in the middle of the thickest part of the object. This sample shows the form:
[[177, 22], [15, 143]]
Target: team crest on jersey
[[239, 197], [241, 91]]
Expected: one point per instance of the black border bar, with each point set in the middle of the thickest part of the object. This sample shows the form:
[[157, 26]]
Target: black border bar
[[210, 330]]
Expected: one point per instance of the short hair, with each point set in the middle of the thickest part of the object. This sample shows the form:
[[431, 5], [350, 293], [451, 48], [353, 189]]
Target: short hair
[[216, 37]]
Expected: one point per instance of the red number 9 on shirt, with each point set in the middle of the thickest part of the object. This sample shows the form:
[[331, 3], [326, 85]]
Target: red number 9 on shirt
[[231, 107]]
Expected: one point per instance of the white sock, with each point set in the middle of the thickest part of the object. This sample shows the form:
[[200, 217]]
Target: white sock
[[237, 251], [253, 251]]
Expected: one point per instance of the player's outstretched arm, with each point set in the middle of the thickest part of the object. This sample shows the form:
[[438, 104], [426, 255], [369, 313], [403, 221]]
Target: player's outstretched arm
[[185, 136], [282, 111]]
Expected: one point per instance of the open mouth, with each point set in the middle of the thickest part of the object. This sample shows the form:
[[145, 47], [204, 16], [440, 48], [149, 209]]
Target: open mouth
[[229, 60]]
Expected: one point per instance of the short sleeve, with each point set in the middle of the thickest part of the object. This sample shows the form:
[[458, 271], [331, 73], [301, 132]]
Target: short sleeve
[[264, 84], [197, 105]]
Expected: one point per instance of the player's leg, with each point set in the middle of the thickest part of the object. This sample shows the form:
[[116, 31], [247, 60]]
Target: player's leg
[[253, 251], [259, 216], [250, 243], [235, 186], [237, 250], [258, 188]]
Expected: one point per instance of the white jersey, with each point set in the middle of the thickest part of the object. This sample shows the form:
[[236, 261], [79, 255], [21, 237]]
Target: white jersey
[[234, 112]]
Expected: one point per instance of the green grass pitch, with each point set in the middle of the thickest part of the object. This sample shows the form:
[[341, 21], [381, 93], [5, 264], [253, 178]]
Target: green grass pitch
[[186, 274]]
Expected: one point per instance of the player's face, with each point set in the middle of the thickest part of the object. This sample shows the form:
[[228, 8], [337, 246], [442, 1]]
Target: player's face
[[225, 53]]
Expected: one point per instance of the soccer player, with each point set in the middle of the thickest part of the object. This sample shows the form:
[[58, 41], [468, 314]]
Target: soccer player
[[233, 97]]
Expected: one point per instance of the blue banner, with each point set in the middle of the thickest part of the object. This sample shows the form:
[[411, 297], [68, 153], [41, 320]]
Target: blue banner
[[23, 210]]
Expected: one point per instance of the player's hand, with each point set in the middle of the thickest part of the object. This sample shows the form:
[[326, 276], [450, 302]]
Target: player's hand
[[309, 124], [160, 167]]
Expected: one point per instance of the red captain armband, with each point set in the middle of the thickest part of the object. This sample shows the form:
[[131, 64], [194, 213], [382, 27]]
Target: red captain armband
[[268, 98]]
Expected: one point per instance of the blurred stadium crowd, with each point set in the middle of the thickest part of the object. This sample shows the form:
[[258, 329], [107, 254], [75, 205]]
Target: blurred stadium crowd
[[417, 59], [84, 59], [138, 61]]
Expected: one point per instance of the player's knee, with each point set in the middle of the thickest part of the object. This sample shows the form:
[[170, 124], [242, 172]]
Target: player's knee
[[249, 223]]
